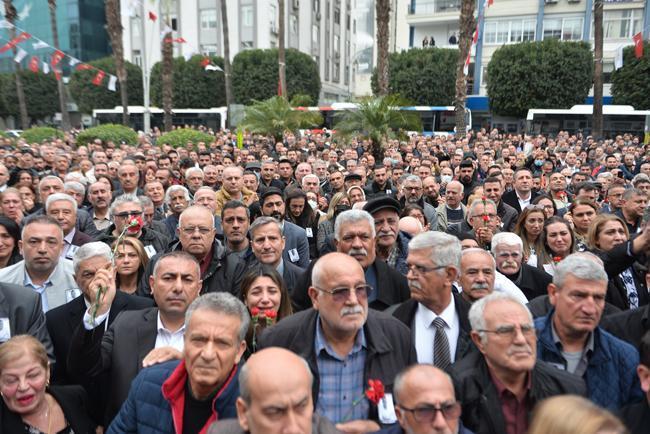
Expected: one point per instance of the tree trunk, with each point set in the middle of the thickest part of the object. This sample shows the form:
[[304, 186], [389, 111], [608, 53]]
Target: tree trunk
[[597, 120], [467, 26], [226, 53], [114, 29], [167, 77], [382, 12], [63, 98], [10, 15], [282, 79]]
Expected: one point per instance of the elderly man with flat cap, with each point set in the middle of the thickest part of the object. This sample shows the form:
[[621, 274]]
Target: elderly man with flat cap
[[275, 398], [391, 243]]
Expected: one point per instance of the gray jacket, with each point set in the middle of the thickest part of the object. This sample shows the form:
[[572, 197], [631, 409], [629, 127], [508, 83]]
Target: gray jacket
[[63, 288], [442, 217]]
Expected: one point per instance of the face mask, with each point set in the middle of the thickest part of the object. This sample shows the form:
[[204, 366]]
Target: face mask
[[445, 178], [538, 163], [313, 204]]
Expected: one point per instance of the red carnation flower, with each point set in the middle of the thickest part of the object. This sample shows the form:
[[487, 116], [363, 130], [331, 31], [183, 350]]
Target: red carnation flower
[[255, 311], [271, 314], [557, 259], [135, 225], [375, 391]]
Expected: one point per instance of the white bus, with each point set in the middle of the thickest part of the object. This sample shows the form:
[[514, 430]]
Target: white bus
[[617, 119], [214, 118]]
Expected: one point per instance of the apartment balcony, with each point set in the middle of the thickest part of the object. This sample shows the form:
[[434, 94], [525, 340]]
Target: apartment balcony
[[433, 11]]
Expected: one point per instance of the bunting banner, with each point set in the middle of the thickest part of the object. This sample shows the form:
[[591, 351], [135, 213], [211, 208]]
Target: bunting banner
[[15, 41], [205, 62], [112, 81], [97, 81], [153, 17], [618, 58], [83, 67], [20, 55], [57, 57], [40, 44], [33, 64], [46, 68], [57, 74], [638, 45]]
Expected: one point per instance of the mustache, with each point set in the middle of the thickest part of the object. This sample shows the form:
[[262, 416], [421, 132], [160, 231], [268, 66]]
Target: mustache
[[414, 284], [512, 264], [519, 349], [385, 234], [351, 310], [359, 252], [477, 286]]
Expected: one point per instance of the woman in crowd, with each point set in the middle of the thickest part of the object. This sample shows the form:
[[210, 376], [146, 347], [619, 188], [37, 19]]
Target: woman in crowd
[[356, 194], [559, 242], [415, 210], [571, 414], [338, 204], [303, 215], [529, 228], [581, 213], [548, 205], [23, 178], [130, 262], [607, 238], [149, 175], [28, 196], [29, 404], [267, 299], [9, 237], [11, 205]]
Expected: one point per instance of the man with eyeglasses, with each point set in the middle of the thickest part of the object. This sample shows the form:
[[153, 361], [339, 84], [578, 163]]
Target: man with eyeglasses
[[220, 272], [571, 340], [436, 315], [500, 384], [484, 220], [425, 403], [341, 338], [122, 211], [507, 249], [412, 193]]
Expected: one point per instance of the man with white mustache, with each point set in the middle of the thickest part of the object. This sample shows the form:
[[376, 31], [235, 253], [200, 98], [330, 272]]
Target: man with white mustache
[[500, 384], [570, 339], [345, 344]]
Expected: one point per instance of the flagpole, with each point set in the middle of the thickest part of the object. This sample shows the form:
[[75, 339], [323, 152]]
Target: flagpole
[[146, 115]]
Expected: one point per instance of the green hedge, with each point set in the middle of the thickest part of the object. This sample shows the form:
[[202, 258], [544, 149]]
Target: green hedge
[[108, 132], [40, 134], [631, 83], [180, 137]]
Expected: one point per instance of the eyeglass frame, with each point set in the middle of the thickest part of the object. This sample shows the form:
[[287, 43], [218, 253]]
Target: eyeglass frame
[[421, 270], [337, 293], [455, 406], [125, 214], [510, 330]]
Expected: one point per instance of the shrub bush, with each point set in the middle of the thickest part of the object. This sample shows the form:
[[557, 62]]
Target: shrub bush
[[108, 132]]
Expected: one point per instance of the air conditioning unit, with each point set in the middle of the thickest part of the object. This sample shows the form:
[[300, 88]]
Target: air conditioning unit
[[274, 28], [296, 4], [318, 16], [550, 2], [573, 1]]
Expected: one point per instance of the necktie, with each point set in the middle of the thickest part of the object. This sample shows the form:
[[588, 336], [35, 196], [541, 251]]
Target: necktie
[[441, 358]]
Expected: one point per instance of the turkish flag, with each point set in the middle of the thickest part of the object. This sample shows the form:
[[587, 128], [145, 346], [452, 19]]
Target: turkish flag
[[638, 45], [15, 41], [57, 57], [83, 67], [99, 78], [490, 2], [152, 16], [34, 64], [205, 62], [475, 36]]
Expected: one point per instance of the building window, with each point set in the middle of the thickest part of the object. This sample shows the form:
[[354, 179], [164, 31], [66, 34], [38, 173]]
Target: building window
[[273, 17], [315, 33], [337, 16], [565, 29], [337, 44], [293, 24], [137, 58], [499, 32], [621, 24], [209, 50], [208, 19], [246, 44], [247, 16]]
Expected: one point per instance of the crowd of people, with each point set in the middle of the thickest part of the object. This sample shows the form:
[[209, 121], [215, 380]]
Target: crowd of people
[[491, 284]]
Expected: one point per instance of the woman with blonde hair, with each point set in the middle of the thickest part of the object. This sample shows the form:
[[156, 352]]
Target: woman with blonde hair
[[130, 262], [339, 203], [29, 404], [572, 414]]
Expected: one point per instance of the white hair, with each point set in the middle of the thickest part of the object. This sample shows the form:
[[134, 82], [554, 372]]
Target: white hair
[[508, 239], [174, 189], [90, 250], [193, 169], [477, 311], [445, 248], [353, 216], [60, 196]]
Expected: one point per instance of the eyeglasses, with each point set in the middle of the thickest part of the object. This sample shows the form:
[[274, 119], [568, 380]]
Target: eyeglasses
[[191, 229], [535, 207], [420, 269], [128, 214], [340, 295], [426, 414], [513, 255], [510, 331]]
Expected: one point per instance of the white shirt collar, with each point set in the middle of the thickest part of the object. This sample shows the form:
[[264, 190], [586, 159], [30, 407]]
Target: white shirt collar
[[161, 327], [427, 316]]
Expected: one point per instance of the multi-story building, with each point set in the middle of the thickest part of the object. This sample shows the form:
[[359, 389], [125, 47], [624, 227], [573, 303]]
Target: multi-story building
[[324, 29], [81, 27], [513, 21]]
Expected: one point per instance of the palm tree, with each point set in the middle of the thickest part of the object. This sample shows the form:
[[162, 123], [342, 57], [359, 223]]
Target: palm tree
[[114, 29], [167, 71], [467, 25], [281, 57], [10, 16], [382, 12], [63, 99], [226, 53], [276, 116], [597, 127], [378, 120]]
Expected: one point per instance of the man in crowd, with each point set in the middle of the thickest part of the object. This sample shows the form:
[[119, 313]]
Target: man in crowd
[[453, 210], [233, 188], [99, 196], [338, 335], [391, 244], [156, 192], [493, 190], [53, 184], [63, 209], [637, 416], [197, 236], [128, 175], [522, 194], [193, 179], [381, 184], [500, 384], [484, 221], [296, 249], [413, 194], [177, 199], [43, 270], [633, 204], [267, 176], [139, 338], [507, 249], [235, 217], [435, 313], [569, 336], [195, 392]]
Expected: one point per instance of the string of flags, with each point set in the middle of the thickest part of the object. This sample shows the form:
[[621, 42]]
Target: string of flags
[[486, 4]]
